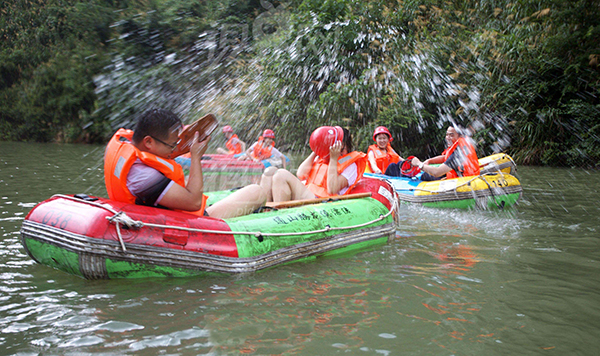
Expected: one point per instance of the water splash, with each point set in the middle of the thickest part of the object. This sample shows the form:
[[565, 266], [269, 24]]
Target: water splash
[[281, 73]]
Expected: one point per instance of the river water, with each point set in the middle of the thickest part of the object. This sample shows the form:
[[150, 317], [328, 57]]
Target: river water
[[525, 281]]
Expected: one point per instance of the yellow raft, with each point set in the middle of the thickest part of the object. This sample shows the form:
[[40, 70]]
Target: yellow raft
[[495, 187]]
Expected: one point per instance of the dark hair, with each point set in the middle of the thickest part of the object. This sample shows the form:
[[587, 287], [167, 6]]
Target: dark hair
[[156, 123], [347, 141]]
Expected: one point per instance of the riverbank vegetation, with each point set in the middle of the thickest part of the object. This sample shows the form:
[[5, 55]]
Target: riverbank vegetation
[[523, 76]]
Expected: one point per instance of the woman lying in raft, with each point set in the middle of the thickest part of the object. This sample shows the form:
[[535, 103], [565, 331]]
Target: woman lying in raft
[[332, 168]]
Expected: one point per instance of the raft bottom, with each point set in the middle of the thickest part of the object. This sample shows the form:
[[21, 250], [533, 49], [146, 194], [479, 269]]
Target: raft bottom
[[106, 268]]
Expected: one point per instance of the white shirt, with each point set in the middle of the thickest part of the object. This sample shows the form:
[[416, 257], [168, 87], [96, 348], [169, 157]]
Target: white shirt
[[350, 173]]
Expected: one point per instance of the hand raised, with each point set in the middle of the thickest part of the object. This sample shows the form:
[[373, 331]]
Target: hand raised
[[415, 162], [198, 148], [335, 150]]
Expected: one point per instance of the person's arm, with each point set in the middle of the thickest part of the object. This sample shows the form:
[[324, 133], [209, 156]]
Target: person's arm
[[243, 144], [275, 153], [435, 160], [189, 198], [373, 163], [305, 166], [247, 154], [436, 171], [335, 181]]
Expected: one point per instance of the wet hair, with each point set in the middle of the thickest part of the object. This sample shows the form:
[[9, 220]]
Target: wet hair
[[347, 141], [156, 123]]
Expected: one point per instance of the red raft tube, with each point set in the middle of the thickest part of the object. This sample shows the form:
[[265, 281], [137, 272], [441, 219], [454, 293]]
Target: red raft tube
[[215, 163], [97, 238]]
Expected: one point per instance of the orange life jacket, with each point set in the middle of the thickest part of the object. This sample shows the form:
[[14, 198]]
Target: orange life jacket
[[317, 177], [120, 155], [261, 152], [383, 158], [470, 166], [233, 148]]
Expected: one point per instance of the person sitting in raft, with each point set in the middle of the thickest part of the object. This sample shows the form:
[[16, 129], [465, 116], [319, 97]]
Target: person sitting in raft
[[138, 169], [234, 144], [332, 168], [381, 154], [264, 149], [458, 160]]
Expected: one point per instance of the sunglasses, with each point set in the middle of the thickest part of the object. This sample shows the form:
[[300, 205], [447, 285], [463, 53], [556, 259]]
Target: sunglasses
[[173, 147]]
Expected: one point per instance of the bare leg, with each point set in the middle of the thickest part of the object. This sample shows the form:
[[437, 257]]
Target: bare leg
[[287, 186], [242, 202], [222, 151], [266, 182]]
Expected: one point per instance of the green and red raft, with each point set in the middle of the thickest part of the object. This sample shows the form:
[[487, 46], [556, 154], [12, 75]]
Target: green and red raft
[[97, 238]]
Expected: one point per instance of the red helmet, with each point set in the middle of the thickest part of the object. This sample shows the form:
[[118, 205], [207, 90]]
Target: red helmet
[[323, 138], [380, 130], [407, 169], [268, 133], [227, 128]]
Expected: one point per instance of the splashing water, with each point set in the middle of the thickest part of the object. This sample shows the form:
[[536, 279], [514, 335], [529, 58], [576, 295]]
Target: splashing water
[[314, 70]]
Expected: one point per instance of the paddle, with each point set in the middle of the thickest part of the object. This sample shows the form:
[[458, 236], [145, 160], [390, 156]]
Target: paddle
[[295, 203], [205, 126]]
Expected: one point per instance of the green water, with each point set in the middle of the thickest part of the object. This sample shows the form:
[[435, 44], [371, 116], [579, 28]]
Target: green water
[[519, 282]]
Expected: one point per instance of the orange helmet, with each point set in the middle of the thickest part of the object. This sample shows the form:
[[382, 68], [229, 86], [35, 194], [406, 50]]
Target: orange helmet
[[323, 138], [380, 130], [268, 133], [227, 128]]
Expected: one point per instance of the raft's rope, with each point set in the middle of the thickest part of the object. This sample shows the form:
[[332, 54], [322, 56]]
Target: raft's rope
[[395, 203], [492, 192], [121, 217]]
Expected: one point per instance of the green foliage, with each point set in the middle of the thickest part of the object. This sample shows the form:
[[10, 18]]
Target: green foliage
[[49, 52], [523, 76]]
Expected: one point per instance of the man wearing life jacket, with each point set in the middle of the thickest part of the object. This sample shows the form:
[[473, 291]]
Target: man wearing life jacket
[[234, 144], [381, 154], [138, 169], [458, 160], [264, 149], [331, 169]]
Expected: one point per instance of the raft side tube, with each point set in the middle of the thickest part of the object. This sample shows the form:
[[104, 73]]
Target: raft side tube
[[83, 218], [104, 259]]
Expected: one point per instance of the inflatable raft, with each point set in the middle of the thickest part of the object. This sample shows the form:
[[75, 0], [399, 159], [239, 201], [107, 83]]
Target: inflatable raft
[[497, 163], [495, 187], [215, 163], [97, 238]]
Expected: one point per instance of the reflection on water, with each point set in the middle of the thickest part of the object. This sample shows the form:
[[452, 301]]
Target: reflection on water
[[523, 281]]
